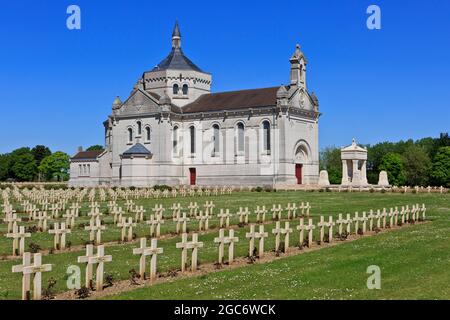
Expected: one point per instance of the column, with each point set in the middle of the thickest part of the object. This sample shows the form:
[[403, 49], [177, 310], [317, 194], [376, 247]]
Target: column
[[364, 172], [356, 177], [344, 173]]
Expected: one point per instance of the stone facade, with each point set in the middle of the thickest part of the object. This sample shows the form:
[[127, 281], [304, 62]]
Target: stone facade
[[172, 130]]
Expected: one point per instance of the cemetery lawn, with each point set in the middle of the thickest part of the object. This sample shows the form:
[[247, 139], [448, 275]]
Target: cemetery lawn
[[414, 264], [414, 260]]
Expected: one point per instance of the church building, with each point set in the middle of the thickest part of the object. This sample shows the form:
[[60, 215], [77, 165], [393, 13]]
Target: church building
[[172, 130]]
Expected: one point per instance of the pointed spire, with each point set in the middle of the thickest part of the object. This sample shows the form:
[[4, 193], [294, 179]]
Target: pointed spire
[[176, 30], [176, 36]]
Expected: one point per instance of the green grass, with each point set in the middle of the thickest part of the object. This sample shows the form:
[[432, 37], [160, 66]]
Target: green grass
[[413, 260]]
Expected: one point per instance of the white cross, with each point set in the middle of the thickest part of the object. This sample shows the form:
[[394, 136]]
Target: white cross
[[243, 215], [209, 207], [222, 240], [18, 234], [70, 218], [42, 221], [27, 269], [176, 209], [11, 219], [322, 225], [193, 207], [276, 212], [305, 207], [127, 224], [224, 217], [372, 216], [99, 260], [291, 209], [76, 207], [95, 229], [60, 235], [185, 245], [310, 228], [85, 259], [139, 217], [261, 214], [278, 232], [144, 251], [181, 222], [203, 221]]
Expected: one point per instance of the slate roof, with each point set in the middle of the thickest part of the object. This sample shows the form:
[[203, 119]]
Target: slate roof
[[230, 100], [137, 149], [176, 60], [87, 155]]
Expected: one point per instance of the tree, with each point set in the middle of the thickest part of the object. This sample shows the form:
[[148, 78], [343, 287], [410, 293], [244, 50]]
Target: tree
[[440, 171], [417, 166], [40, 152], [330, 160], [96, 147], [392, 163], [23, 165], [56, 166], [5, 164]]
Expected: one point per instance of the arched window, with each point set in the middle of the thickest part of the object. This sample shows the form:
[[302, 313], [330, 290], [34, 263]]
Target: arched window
[[139, 128], [175, 88], [175, 139], [130, 135], [216, 139], [147, 134], [192, 136], [185, 89], [240, 137], [266, 136]]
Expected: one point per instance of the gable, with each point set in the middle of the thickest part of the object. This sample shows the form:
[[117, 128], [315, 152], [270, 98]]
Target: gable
[[139, 102]]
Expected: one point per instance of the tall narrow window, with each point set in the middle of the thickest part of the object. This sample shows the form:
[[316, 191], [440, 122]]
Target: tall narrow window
[[130, 135], [175, 139], [147, 134], [192, 135], [216, 139], [240, 137], [139, 128], [80, 170], [185, 89], [266, 136], [175, 88]]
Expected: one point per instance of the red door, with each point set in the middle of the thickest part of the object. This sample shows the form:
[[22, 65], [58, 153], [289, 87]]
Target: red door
[[193, 176], [298, 173]]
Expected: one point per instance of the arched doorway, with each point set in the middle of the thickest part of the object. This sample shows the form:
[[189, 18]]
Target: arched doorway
[[300, 159]]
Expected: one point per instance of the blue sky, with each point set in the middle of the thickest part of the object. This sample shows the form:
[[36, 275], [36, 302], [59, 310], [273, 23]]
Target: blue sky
[[57, 85]]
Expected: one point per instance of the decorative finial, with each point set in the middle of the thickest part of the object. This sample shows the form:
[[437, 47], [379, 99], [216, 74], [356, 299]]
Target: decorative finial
[[176, 36]]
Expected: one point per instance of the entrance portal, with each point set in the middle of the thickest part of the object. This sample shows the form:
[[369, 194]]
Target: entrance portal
[[193, 176], [298, 173]]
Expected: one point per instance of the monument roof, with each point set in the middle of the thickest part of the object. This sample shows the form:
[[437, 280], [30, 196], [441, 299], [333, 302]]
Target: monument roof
[[241, 99], [354, 147], [176, 60], [87, 155], [137, 149]]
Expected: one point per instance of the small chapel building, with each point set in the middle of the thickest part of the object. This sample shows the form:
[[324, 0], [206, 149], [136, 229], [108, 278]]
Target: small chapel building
[[173, 130]]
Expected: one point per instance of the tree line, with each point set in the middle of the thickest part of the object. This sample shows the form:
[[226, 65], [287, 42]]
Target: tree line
[[422, 162], [36, 164]]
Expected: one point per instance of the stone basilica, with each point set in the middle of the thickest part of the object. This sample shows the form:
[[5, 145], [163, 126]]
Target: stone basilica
[[173, 130]]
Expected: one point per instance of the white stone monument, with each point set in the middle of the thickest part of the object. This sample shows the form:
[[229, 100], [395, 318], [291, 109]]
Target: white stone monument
[[354, 159], [323, 178], [383, 179]]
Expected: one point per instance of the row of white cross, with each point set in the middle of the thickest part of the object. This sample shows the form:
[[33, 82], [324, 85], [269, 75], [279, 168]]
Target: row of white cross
[[381, 218]]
